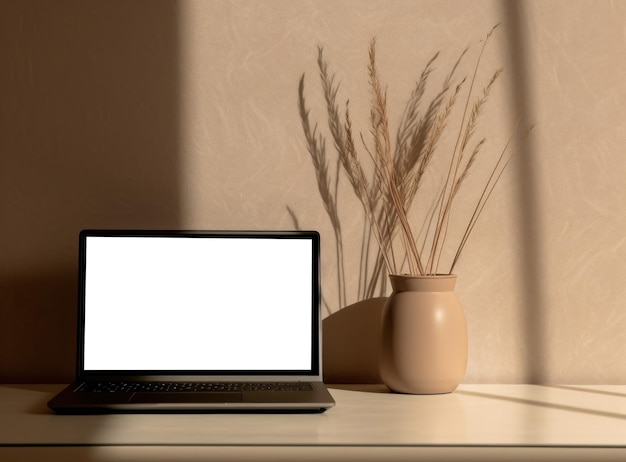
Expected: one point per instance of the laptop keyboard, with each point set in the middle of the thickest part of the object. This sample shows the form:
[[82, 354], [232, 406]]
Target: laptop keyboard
[[112, 387]]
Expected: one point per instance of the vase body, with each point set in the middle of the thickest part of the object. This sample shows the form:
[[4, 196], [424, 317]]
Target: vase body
[[424, 336]]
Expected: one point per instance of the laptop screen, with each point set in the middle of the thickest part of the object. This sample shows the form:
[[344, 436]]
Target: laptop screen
[[220, 303]]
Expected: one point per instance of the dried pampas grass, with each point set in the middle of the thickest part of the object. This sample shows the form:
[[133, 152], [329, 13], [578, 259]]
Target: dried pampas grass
[[397, 168]]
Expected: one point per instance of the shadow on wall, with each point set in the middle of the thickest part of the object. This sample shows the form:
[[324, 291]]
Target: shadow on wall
[[90, 139], [350, 344], [531, 273]]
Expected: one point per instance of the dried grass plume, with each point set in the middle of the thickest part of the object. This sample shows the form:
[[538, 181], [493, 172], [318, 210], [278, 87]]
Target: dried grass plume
[[386, 173]]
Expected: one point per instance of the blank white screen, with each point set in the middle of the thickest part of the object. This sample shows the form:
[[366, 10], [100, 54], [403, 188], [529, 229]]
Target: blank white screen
[[193, 303]]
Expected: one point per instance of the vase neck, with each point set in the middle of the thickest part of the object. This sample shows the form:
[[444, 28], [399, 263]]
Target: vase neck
[[434, 283]]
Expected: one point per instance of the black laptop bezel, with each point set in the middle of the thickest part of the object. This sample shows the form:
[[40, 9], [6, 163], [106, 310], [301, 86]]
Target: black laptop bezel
[[313, 373]]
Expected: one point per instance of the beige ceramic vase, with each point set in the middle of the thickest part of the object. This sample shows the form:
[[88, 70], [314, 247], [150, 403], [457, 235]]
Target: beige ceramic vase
[[424, 336]]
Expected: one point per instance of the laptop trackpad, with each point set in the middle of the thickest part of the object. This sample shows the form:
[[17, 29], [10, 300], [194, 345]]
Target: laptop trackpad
[[195, 397]]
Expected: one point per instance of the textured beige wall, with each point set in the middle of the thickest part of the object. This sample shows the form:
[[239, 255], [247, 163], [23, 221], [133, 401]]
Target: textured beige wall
[[184, 114]]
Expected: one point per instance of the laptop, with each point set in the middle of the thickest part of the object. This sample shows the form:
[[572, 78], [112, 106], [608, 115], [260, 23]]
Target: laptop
[[175, 321]]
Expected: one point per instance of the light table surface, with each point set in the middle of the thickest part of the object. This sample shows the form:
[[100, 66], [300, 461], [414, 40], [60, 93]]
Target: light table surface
[[476, 422]]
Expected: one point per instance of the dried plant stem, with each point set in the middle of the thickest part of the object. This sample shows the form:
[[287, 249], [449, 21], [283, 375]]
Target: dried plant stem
[[460, 177], [446, 204], [428, 222], [363, 193], [414, 129], [455, 190], [384, 162], [494, 177]]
